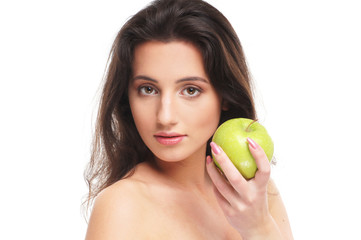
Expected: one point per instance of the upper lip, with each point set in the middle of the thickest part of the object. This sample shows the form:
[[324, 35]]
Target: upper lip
[[168, 134]]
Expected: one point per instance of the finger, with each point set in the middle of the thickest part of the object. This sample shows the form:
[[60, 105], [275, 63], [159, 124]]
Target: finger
[[223, 203], [264, 169], [220, 199], [219, 181], [238, 182]]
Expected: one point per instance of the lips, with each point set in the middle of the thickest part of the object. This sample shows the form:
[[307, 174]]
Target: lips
[[169, 138]]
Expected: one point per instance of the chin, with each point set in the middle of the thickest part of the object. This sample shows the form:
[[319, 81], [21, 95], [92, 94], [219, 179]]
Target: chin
[[170, 157]]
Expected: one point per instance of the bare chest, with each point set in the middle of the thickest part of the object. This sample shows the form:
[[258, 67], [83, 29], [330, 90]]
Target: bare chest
[[187, 218]]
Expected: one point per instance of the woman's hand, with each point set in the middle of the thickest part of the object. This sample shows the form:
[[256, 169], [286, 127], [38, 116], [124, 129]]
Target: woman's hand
[[243, 202]]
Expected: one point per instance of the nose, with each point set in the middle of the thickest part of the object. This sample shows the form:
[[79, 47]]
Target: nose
[[167, 114]]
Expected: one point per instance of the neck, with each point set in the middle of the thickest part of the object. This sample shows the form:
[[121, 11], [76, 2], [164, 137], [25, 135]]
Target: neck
[[187, 174]]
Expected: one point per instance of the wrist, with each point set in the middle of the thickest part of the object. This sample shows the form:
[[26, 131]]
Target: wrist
[[265, 230]]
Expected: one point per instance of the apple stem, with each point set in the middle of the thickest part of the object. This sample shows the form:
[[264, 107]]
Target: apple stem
[[247, 129]]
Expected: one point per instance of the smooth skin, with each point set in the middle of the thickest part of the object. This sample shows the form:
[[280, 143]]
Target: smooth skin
[[180, 194], [245, 203]]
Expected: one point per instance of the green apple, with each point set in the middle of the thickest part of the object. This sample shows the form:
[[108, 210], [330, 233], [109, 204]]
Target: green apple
[[232, 135]]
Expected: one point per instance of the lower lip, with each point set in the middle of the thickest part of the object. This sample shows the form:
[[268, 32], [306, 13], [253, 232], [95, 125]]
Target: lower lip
[[169, 140]]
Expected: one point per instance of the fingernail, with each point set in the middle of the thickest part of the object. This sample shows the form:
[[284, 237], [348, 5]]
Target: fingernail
[[209, 159], [252, 143], [216, 149]]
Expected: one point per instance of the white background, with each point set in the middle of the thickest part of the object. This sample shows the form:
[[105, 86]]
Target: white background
[[305, 60]]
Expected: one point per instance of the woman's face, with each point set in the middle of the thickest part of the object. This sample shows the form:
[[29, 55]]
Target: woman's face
[[174, 106]]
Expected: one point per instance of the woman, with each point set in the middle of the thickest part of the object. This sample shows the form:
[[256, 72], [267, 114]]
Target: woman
[[177, 71]]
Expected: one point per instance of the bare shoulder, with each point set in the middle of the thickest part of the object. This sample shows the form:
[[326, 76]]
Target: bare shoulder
[[278, 210], [117, 210]]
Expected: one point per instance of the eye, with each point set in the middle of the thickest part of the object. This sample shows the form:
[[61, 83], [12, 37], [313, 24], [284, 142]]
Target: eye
[[191, 91], [147, 90]]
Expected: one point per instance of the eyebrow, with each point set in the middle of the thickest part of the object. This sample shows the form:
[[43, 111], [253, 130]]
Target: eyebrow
[[186, 79]]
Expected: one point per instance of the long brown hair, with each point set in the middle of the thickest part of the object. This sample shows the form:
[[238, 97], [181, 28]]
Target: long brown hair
[[117, 146]]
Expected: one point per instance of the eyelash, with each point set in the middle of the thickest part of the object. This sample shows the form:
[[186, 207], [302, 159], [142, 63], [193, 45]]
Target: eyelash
[[197, 90], [142, 89]]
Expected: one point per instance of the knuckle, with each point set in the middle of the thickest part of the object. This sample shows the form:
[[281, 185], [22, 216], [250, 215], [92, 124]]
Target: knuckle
[[235, 179], [248, 200], [221, 159], [241, 208], [266, 171]]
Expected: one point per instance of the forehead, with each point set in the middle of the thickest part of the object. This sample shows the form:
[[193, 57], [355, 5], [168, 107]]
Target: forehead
[[175, 59]]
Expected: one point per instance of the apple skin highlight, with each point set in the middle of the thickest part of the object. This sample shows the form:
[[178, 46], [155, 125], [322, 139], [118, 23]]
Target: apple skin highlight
[[232, 136]]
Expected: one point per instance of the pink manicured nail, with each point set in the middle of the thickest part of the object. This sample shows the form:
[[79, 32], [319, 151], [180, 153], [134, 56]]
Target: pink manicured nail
[[209, 159], [252, 143], [216, 149]]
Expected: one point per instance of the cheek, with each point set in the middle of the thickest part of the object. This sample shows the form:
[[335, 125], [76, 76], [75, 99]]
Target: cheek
[[141, 115], [205, 117]]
